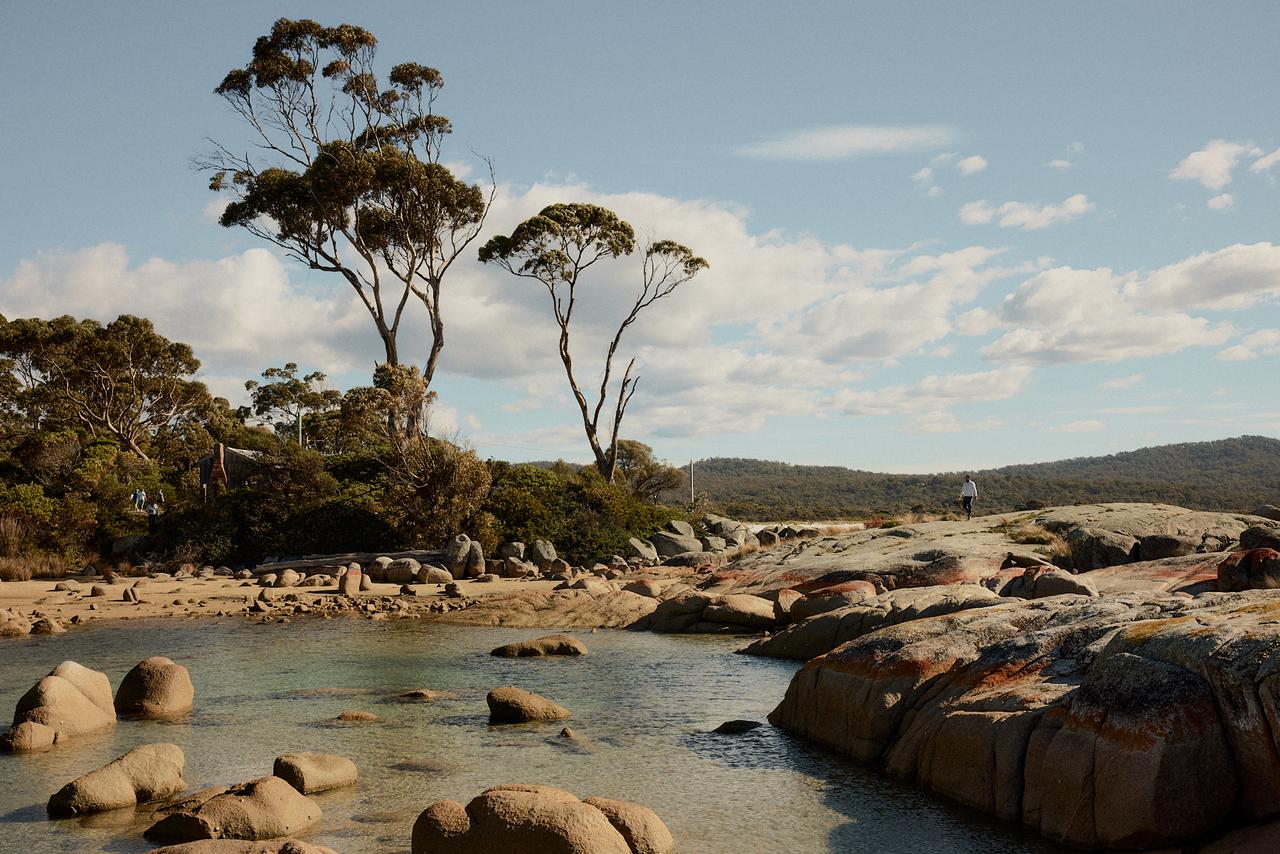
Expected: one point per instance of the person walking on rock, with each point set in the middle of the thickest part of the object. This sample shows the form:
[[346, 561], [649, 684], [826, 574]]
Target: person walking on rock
[[968, 492]]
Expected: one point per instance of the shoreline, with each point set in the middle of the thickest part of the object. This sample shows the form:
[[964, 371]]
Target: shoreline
[[224, 597]]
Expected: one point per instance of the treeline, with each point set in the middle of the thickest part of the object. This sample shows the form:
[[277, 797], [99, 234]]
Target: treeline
[[93, 414], [1231, 474]]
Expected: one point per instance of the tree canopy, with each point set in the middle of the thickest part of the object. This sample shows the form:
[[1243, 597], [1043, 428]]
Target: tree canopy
[[122, 380], [343, 172]]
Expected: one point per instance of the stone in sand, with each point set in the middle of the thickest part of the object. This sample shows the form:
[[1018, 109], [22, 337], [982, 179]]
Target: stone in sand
[[237, 846], [358, 717], [349, 584]]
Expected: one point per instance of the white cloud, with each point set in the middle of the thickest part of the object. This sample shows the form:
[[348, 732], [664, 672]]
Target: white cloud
[[934, 192], [1212, 165], [971, 165], [1068, 315], [923, 175], [1235, 277], [1090, 426], [1059, 164], [1221, 202], [907, 306], [945, 421], [240, 314], [1024, 215], [840, 142], [934, 393], [1263, 164], [1123, 382], [1264, 342], [1075, 148]]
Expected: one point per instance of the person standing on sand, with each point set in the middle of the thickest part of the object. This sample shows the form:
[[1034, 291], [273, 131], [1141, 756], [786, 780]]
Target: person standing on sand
[[968, 492]]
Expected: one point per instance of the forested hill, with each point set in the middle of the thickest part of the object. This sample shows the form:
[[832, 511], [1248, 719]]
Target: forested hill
[[1229, 474]]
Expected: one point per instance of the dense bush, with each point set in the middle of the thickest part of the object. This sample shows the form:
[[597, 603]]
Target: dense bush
[[585, 517]]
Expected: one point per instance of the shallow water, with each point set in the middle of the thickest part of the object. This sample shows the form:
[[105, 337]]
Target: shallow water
[[644, 701]]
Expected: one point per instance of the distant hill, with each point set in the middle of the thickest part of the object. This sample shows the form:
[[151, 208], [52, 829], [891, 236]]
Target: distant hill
[[1229, 474]]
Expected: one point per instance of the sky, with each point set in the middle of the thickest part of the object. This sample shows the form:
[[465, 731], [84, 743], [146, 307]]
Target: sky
[[941, 236]]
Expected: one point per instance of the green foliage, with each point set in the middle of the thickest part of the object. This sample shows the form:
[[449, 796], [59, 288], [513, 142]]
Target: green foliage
[[586, 517], [436, 488], [122, 381], [285, 400]]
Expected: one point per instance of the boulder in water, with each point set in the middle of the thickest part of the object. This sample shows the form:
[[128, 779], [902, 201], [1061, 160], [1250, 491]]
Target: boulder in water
[[542, 819], [146, 773], [260, 809], [546, 645], [155, 688], [315, 772], [512, 705]]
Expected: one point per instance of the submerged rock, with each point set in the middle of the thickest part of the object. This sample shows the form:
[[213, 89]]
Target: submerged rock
[[315, 772], [236, 846], [71, 701], [547, 645]]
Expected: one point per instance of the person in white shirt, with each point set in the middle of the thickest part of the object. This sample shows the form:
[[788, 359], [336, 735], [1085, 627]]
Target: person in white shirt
[[968, 492]]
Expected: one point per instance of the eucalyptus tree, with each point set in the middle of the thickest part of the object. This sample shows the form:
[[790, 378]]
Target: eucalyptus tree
[[123, 380], [287, 399], [344, 173], [555, 248]]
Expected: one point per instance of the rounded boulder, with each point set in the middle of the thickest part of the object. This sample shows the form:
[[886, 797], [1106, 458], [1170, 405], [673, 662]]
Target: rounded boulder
[[315, 772], [512, 705], [155, 688], [542, 819]]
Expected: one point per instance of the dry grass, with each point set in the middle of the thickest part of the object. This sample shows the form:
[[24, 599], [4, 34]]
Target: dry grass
[[1030, 534], [33, 566], [13, 536]]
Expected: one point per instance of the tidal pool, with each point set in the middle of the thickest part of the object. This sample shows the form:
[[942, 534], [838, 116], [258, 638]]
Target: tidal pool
[[645, 702]]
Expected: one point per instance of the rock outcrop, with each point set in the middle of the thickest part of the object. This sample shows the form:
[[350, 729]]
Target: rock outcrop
[[71, 701], [155, 688], [542, 819], [146, 773], [260, 809], [546, 645], [1114, 722]]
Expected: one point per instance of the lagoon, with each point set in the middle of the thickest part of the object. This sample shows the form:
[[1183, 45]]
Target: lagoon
[[644, 703]]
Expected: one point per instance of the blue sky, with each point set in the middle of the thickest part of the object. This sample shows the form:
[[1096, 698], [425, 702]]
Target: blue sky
[[942, 235]]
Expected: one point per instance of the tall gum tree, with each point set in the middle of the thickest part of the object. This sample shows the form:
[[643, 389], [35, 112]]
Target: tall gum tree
[[344, 174], [123, 380], [555, 248]]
